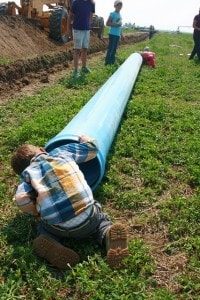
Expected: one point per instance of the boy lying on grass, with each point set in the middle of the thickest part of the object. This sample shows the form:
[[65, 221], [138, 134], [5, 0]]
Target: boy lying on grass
[[53, 189]]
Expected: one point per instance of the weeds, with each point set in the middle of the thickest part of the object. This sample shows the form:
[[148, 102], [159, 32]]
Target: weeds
[[151, 183]]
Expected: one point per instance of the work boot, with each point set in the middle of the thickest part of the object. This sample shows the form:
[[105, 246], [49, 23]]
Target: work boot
[[85, 70], [55, 253], [116, 244]]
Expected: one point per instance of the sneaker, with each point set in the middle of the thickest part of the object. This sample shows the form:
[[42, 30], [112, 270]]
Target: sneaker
[[116, 244], [85, 70], [55, 253], [76, 74]]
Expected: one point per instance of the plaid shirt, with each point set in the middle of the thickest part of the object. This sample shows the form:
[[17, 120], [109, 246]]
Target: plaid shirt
[[53, 187]]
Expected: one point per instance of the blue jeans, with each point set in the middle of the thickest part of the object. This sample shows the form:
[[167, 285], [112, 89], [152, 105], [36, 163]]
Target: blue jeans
[[96, 226], [196, 49], [112, 48]]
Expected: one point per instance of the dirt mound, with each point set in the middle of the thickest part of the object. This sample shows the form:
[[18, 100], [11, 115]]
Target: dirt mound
[[22, 38], [33, 52]]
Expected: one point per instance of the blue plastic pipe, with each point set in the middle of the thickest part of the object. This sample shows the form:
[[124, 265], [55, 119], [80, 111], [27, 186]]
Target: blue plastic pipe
[[100, 118]]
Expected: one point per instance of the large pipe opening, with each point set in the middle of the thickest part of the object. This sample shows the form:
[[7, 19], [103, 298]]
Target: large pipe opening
[[100, 117], [93, 170]]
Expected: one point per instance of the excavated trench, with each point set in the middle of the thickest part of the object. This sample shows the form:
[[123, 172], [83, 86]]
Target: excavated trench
[[31, 53]]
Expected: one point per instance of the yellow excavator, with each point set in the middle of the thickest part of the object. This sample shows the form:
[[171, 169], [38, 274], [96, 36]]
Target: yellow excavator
[[53, 20]]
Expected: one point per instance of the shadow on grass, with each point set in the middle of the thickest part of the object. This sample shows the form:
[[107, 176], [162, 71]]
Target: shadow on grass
[[20, 233]]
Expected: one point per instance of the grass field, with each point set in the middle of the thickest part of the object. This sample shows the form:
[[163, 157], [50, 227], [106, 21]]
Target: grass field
[[151, 183]]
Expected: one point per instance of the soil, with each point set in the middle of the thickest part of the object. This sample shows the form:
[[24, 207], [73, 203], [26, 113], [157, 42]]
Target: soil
[[35, 57]]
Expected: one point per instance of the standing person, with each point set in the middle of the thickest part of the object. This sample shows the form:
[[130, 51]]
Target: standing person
[[53, 190], [80, 16], [115, 23], [151, 31], [196, 37]]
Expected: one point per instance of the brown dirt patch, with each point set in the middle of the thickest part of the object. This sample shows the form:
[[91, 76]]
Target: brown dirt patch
[[35, 56], [155, 236]]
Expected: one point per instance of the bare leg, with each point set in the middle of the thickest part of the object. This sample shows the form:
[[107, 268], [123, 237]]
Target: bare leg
[[76, 58], [84, 57]]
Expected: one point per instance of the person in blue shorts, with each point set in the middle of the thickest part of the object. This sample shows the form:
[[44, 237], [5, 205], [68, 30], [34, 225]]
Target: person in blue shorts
[[54, 191], [115, 23], [80, 16]]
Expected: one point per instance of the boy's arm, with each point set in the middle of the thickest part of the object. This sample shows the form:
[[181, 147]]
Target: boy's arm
[[25, 198], [91, 18], [195, 24], [92, 12], [85, 150], [110, 23], [69, 23], [86, 139]]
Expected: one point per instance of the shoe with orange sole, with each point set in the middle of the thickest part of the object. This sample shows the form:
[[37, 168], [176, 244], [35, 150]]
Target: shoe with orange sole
[[117, 245], [55, 253]]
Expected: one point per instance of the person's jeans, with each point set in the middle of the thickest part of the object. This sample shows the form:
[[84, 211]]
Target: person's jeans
[[196, 49], [96, 226], [112, 48]]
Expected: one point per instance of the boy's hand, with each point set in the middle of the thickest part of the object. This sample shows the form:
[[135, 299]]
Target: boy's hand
[[84, 139], [119, 22]]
